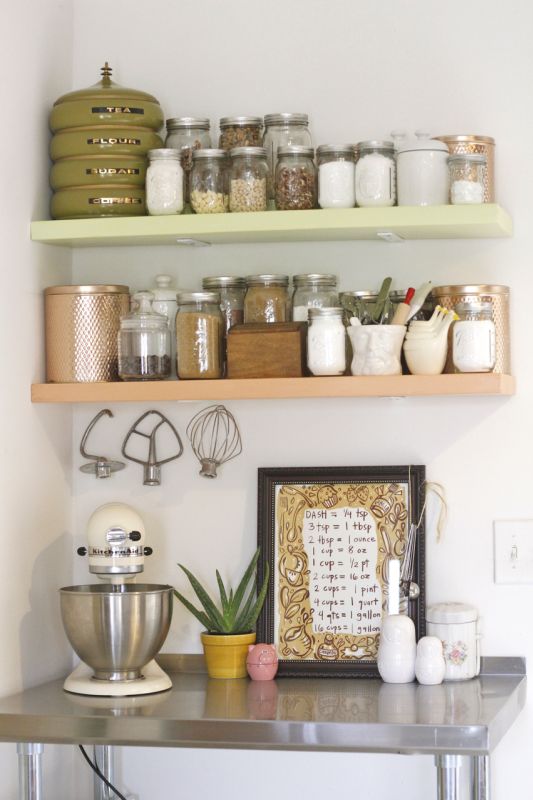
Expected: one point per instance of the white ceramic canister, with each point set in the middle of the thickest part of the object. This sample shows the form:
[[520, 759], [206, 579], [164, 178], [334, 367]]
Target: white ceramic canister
[[165, 302], [456, 625], [422, 171]]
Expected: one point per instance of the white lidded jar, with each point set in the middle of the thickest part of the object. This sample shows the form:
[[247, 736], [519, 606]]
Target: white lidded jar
[[165, 302], [422, 171], [375, 174], [326, 342], [336, 175], [164, 182], [456, 625]]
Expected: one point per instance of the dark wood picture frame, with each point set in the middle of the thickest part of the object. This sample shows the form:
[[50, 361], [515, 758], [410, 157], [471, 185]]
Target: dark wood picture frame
[[294, 505]]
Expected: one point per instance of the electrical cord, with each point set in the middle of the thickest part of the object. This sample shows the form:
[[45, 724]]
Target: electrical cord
[[94, 766]]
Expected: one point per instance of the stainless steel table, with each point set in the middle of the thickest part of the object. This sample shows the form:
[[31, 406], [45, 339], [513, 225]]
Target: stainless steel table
[[458, 723]]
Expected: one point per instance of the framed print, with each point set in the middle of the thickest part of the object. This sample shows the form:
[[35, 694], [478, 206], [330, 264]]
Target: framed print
[[329, 535]]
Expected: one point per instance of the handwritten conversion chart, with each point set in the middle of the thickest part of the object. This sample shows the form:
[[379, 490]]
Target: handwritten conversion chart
[[342, 549]]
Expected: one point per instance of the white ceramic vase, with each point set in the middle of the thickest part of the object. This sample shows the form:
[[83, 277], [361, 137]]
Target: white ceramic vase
[[397, 649]]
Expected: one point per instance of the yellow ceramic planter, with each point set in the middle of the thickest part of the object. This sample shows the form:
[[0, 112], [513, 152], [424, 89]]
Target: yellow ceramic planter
[[225, 654]]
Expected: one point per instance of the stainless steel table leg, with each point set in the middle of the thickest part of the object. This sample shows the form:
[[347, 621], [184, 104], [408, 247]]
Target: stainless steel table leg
[[104, 756], [462, 777], [30, 771], [481, 777]]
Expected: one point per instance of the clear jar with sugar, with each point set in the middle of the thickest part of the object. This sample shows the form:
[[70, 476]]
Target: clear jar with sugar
[[313, 291], [474, 338], [467, 178], [336, 176], [164, 182], [375, 174]]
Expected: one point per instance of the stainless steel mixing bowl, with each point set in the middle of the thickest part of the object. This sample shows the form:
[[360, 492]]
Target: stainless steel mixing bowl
[[116, 630]]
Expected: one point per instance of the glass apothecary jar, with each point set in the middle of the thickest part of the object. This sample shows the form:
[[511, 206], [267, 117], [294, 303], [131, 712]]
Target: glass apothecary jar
[[231, 290], [326, 342], [164, 182], [267, 298], [313, 291], [248, 179], [240, 132], [474, 338], [199, 336], [282, 130], [375, 174], [209, 181], [295, 178], [467, 178], [187, 134], [143, 342], [336, 175]]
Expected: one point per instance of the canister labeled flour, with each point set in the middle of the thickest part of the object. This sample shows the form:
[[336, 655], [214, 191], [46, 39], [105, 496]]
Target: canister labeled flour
[[456, 625]]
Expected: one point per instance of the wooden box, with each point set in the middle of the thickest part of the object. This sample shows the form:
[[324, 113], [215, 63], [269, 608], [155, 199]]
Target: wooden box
[[267, 350]]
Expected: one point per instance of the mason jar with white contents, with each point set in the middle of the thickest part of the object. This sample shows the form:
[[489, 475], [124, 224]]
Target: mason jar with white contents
[[375, 174], [164, 182], [467, 178], [336, 175], [474, 338], [456, 625], [313, 291], [326, 342]]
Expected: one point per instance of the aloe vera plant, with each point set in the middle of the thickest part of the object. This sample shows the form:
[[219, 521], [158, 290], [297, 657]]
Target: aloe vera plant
[[238, 611]]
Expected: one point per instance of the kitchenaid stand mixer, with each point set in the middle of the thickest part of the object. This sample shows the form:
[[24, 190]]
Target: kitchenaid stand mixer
[[117, 627]]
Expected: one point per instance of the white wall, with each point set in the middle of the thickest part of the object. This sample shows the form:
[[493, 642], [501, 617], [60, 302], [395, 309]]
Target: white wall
[[359, 70]]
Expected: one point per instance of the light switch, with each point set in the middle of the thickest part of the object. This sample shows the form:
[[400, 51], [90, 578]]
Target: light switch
[[513, 551]]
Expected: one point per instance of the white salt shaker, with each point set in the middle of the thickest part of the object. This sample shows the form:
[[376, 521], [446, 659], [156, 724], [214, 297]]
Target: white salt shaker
[[429, 665], [397, 649], [456, 625]]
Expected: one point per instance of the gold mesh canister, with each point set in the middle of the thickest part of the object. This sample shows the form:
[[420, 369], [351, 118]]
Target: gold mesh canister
[[498, 296], [81, 332], [460, 144]]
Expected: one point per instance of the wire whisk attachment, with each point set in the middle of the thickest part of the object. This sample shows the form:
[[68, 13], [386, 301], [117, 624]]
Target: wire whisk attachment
[[215, 438]]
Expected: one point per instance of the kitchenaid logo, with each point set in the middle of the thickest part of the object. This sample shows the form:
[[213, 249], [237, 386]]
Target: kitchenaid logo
[[116, 552], [116, 110], [112, 140], [114, 201], [112, 171]]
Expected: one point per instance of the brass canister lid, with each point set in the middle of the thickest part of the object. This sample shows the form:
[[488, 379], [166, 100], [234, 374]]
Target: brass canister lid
[[88, 289], [105, 89], [475, 289]]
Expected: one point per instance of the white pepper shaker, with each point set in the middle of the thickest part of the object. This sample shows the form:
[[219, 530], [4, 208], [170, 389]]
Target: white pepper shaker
[[429, 665]]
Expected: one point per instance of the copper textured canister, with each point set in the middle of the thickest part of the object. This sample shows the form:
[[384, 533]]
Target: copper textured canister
[[459, 144], [81, 330], [498, 296]]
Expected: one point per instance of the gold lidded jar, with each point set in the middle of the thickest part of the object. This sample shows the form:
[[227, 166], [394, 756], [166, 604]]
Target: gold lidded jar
[[199, 336], [81, 332], [267, 299], [240, 132]]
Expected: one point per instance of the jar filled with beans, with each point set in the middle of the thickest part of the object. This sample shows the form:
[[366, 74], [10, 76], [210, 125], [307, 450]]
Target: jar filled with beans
[[240, 132], [199, 336], [248, 174], [296, 178], [209, 181], [267, 299], [188, 134]]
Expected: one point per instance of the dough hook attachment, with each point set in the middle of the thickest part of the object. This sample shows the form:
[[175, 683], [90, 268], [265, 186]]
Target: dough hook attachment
[[152, 467], [101, 467]]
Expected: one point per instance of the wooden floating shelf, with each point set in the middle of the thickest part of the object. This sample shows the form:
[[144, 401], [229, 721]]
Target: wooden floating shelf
[[274, 388], [388, 224]]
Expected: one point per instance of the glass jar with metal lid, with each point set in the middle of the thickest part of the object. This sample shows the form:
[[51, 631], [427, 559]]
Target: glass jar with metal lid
[[326, 342], [313, 291], [209, 181], [474, 337], [164, 182], [247, 182], [144, 342], [281, 130], [362, 304], [199, 336], [231, 290], [188, 134], [295, 178], [240, 132], [375, 174], [336, 175], [467, 178], [267, 298]]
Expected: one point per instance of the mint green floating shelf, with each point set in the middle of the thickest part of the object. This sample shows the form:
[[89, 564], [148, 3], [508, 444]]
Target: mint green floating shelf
[[320, 225]]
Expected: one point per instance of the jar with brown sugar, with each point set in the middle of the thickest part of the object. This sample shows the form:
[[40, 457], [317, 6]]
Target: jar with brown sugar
[[199, 336], [267, 299]]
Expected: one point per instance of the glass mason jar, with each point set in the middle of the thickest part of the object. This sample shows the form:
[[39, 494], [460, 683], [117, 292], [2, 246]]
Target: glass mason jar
[[326, 342], [267, 298], [199, 335], [282, 130], [231, 290], [295, 178], [375, 174], [240, 132], [209, 181], [247, 182], [187, 134], [164, 182], [143, 342], [336, 175], [313, 291], [474, 337], [467, 178]]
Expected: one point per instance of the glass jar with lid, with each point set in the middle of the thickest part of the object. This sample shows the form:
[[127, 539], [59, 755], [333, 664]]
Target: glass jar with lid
[[281, 130], [209, 181], [474, 337], [267, 298], [143, 342], [295, 178], [247, 182], [467, 178], [188, 134], [164, 182], [199, 335], [326, 342], [375, 174], [336, 175], [165, 302], [313, 291], [231, 290], [240, 132]]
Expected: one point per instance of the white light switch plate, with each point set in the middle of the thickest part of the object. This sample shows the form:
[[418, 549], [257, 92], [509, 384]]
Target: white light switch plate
[[513, 551]]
